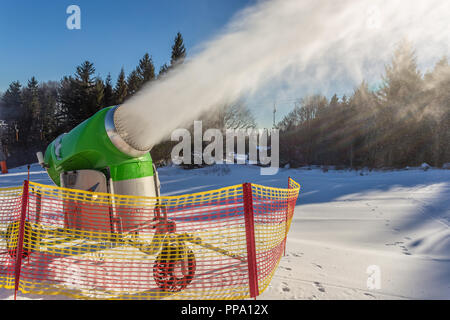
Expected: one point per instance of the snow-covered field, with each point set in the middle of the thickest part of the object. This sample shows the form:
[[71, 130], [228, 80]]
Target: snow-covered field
[[355, 235]]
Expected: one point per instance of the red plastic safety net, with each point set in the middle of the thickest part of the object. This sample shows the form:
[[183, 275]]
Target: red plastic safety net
[[219, 244]]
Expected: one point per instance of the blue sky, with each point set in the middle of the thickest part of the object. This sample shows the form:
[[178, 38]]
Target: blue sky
[[36, 42]]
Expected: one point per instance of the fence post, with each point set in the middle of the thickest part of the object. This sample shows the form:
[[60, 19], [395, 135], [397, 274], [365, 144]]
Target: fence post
[[250, 237], [19, 251], [287, 211]]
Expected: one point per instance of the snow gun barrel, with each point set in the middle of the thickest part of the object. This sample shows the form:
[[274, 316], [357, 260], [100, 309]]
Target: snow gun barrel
[[95, 144]]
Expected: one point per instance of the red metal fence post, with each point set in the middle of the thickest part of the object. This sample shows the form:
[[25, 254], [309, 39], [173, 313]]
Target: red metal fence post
[[250, 235], [19, 250]]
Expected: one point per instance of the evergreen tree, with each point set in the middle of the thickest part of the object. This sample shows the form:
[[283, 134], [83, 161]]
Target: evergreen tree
[[49, 122], [30, 120], [13, 111], [34, 106], [121, 89], [84, 73], [178, 51], [108, 92], [70, 100], [145, 70], [80, 94], [13, 100], [133, 83], [177, 56]]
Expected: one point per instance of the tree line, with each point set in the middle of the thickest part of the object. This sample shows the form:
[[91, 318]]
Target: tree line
[[403, 122], [36, 113]]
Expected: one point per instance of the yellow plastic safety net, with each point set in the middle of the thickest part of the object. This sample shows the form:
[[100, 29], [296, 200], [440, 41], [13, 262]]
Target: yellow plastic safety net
[[219, 244]]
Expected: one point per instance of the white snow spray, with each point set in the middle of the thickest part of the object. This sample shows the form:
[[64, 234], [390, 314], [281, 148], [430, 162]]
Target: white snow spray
[[314, 42]]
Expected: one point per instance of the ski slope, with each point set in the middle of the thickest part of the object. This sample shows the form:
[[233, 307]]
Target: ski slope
[[346, 225]]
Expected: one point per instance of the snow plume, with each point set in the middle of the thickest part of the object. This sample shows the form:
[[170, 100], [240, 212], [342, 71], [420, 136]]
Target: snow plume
[[317, 41]]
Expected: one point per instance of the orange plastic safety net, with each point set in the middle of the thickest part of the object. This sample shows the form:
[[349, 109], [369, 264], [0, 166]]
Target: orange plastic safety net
[[219, 244]]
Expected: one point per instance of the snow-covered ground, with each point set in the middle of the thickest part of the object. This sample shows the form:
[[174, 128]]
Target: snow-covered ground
[[370, 235]]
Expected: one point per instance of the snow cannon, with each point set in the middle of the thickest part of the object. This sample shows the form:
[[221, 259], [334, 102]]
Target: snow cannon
[[98, 156], [95, 157], [95, 150]]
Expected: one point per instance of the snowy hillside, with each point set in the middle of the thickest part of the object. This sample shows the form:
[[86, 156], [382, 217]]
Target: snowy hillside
[[345, 225]]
